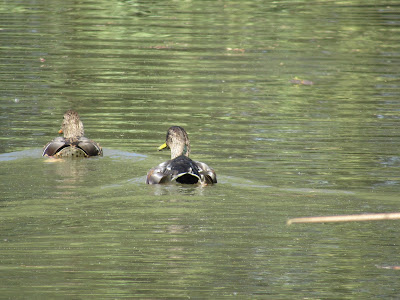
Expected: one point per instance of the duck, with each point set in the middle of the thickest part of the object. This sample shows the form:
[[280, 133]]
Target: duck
[[73, 143], [180, 168]]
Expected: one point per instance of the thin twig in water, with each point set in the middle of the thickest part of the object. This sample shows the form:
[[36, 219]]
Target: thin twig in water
[[388, 267], [346, 218]]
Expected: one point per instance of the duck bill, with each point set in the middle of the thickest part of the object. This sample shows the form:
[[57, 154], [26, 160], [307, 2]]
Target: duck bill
[[163, 146], [60, 131]]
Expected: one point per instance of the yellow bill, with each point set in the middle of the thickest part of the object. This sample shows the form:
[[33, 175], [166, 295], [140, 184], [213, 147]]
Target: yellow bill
[[163, 146]]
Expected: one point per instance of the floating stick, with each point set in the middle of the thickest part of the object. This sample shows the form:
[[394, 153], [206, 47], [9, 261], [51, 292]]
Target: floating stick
[[388, 267], [346, 218]]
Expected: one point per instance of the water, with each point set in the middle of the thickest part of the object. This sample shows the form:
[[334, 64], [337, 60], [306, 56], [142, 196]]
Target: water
[[91, 228]]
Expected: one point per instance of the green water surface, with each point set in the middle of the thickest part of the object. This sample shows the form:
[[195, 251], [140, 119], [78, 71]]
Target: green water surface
[[230, 73]]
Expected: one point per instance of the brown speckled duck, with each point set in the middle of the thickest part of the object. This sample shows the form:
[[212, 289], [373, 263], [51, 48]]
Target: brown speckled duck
[[73, 144], [180, 168]]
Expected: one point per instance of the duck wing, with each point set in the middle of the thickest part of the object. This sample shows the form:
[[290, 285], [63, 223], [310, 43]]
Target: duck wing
[[207, 174], [73, 147], [90, 147], [180, 169], [158, 175], [54, 146]]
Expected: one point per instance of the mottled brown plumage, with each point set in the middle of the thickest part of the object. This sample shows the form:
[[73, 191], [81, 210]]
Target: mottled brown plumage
[[180, 168], [73, 144]]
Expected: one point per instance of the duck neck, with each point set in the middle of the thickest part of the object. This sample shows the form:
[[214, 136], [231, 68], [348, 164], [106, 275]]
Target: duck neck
[[73, 132], [181, 150], [73, 129]]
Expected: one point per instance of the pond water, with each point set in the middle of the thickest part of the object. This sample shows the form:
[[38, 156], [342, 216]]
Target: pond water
[[294, 104]]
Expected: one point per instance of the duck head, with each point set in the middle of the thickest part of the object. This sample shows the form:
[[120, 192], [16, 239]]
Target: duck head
[[178, 141], [72, 126]]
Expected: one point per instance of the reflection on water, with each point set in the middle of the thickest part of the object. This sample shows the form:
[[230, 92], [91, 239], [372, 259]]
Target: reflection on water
[[173, 189], [225, 72]]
